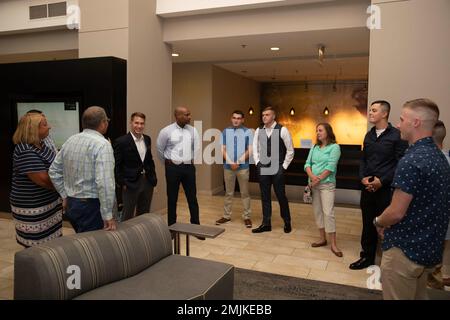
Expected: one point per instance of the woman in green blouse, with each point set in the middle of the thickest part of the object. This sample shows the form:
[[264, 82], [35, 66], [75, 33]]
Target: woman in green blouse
[[321, 169]]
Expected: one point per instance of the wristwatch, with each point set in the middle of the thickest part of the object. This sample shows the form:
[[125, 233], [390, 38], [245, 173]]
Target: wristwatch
[[376, 224]]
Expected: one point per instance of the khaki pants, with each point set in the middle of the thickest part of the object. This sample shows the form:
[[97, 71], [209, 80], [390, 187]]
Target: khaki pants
[[401, 278], [230, 180], [323, 206]]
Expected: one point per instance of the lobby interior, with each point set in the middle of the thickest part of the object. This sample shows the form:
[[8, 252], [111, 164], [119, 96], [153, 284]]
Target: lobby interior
[[314, 60]]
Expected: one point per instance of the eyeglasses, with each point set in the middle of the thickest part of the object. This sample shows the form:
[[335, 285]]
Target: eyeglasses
[[108, 120]]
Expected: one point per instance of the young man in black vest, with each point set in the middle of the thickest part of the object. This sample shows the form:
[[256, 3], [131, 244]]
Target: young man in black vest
[[135, 168], [273, 152]]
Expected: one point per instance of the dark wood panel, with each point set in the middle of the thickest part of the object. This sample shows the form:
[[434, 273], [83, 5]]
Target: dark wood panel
[[347, 176]]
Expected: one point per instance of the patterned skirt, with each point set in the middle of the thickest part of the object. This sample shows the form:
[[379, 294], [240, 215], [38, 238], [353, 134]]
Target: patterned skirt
[[38, 225]]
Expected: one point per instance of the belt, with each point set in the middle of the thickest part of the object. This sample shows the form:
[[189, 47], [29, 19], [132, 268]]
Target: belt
[[168, 161], [83, 199]]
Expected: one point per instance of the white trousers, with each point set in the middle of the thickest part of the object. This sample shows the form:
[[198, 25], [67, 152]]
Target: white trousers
[[323, 206]]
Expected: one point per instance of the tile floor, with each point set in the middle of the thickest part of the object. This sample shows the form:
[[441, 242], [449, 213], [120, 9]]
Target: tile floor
[[276, 252]]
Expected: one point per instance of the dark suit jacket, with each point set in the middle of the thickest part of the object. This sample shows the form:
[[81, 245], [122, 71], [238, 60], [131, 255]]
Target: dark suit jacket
[[129, 164]]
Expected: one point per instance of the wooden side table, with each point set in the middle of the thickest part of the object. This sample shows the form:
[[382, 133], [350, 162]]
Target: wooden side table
[[192, 230]]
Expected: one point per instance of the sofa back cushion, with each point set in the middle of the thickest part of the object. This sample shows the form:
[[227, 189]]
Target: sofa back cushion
[[69, 266]]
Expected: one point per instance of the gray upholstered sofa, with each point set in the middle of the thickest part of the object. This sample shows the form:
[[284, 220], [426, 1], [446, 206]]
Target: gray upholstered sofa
[[134, 262]]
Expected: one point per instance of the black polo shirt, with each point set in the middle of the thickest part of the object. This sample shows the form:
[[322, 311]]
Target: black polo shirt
[[381, 155]]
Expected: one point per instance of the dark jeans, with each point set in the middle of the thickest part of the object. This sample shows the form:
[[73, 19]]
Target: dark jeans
[[137, 201], [372, 205], [84, 214], [265, 183], [184, 174]]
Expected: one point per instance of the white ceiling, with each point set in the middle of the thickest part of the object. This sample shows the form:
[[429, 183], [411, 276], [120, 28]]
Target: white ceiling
[[178, 8], [346, 54]]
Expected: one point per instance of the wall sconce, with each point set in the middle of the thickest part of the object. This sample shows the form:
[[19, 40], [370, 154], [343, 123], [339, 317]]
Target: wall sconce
[[326, 111], [292, 112], [251, 111], [321, 52]]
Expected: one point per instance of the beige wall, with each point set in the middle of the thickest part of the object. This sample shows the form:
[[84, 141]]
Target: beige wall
[[45, 41], [192, 87], [149, 80], [14, 16], [104, 28], [409, 56], [231, 92], [39, 56]]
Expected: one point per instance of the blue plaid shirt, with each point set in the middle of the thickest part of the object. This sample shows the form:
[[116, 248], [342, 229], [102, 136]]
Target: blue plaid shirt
[[423, 173], [84, 168]]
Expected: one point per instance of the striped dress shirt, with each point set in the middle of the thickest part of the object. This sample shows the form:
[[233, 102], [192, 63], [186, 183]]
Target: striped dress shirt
[[84, 168]]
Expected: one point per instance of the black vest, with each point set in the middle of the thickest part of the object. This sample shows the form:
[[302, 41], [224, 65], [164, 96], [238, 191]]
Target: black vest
[[265, 146]]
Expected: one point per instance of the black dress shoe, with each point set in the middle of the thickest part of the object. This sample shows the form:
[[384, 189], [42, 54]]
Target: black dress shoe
[[287, 228], [362, 263], [262, 228]]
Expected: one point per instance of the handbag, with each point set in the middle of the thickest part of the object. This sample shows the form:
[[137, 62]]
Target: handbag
[[307, 193]]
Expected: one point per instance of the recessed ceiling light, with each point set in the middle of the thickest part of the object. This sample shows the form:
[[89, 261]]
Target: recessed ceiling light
[[274, 48], [175, 54]]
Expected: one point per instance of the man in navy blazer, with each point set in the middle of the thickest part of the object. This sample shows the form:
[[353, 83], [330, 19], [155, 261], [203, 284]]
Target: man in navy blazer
[[135, 168]]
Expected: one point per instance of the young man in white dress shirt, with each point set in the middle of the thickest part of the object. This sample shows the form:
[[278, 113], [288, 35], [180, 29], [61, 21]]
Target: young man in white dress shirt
[[273, 152]]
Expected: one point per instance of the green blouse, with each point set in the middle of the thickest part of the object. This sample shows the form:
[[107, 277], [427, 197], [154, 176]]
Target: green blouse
[[321, 159]]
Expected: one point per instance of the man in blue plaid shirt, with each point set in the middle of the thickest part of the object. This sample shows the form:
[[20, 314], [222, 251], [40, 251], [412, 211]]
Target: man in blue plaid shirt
[[83, 174]]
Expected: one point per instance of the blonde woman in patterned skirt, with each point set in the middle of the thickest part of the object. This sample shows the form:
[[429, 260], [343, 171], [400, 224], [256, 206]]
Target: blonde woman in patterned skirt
[[35, 205]]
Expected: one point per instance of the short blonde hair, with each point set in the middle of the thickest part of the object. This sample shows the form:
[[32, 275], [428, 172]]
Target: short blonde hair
[[28, 129], [427, 109]]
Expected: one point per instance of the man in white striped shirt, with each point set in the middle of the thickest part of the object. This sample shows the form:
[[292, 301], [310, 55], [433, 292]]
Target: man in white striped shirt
[[83, 174]]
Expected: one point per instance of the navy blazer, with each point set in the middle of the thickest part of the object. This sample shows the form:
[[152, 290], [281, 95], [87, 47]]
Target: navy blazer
[[129, 165]]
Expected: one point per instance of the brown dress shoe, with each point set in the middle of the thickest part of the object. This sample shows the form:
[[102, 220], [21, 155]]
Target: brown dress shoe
[[337, 253], [319, 244], [248, 223], [222, 220]]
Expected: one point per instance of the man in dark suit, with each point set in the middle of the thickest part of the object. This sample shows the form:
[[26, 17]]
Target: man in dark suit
[[135, 168]]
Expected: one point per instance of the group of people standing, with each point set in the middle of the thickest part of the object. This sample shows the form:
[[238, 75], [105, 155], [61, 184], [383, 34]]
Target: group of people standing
[[81, 178], [404, 197], [272, 150]]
